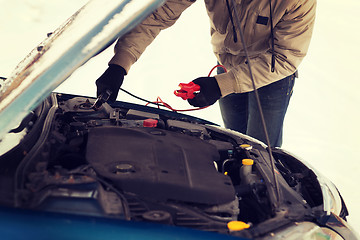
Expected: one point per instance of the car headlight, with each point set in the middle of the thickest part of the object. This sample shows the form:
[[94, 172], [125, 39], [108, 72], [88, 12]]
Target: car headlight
[[332, 202], [306, 231], [331, 197]]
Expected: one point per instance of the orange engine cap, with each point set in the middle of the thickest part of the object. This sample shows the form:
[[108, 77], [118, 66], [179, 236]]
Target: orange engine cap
[[247, 162], [237, 226]]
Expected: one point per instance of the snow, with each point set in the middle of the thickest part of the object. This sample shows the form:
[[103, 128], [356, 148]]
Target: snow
[[322, 123]]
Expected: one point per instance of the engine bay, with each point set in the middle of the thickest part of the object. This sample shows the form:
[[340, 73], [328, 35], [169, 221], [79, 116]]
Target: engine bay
[[126, 163]]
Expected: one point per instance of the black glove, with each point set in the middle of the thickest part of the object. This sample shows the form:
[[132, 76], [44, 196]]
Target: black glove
[[111, 80], [209, 92]]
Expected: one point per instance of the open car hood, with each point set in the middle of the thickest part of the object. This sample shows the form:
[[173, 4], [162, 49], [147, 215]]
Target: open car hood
[[81, 37]]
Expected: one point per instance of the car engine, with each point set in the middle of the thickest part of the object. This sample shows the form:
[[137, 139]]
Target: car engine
[[133, 162]]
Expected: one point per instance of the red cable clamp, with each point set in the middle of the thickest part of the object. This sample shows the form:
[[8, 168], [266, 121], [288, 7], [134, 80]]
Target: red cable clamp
[[187, 90]]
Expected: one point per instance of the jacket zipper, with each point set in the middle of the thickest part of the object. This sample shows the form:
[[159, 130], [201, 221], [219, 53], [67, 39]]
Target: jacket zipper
[[271, 32]]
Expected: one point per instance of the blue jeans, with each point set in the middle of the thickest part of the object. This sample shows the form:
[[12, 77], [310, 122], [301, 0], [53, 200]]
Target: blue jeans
[[240, 111]]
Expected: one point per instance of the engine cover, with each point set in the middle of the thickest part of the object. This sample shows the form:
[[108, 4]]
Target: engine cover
[[158, 164]]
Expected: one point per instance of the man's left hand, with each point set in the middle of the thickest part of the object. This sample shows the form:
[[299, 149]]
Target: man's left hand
[[209, 92]]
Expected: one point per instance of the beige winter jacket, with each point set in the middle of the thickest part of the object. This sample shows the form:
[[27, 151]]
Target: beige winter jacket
[[293, 22]]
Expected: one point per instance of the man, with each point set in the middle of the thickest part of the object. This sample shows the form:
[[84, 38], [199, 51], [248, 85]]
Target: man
[[276, 41]]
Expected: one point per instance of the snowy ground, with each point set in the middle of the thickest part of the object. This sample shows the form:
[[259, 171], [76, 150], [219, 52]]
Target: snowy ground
[[322, 124]]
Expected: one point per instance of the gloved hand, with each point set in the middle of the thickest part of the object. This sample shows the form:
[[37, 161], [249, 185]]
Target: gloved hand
[[112, 80], [209, 92]]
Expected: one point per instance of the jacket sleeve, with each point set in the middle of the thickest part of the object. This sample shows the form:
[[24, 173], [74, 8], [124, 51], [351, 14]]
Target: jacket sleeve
[[129, 48], [292, 35]]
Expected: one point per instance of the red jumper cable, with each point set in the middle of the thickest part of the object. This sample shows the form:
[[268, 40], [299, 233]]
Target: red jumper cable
[[187, 91]]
